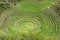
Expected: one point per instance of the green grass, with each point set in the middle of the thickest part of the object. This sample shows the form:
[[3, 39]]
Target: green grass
[[30, 20]]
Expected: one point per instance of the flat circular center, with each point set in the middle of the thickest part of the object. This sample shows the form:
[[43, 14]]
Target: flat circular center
[[28, 24]]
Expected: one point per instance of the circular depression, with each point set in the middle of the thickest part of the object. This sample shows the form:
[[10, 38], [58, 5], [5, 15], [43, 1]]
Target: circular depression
[[29, 22]]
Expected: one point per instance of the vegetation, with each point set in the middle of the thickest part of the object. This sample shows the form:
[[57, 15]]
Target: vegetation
[[29, 20]]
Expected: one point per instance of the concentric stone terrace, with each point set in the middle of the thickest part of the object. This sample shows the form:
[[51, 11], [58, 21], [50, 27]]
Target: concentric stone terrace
[[29, 23]]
